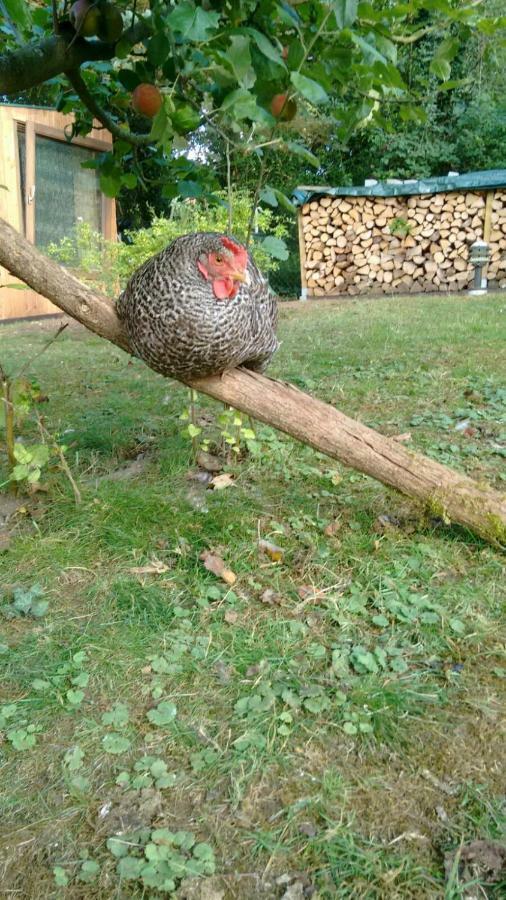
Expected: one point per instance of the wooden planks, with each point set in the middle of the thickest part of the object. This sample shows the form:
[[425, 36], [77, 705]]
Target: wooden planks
[[16, 209]]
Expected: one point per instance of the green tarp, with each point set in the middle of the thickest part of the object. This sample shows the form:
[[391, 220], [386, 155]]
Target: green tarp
[[471, 181]]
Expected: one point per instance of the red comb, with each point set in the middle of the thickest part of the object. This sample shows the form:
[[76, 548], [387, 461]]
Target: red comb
[[240, 254]]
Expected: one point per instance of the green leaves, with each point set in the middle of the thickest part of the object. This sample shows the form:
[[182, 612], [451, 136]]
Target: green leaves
[[30, 461], [345, 12], [26, 602], [73, 759], [304, 153], [22, 738], [273, 197], [244, 105], [89, 871], [115, 743], [441, 68], [18, 12], [118, 716], [238, 55], [445, 53], [158, 48], [184, 119], [163, 714], [265, 47], [61, 879], [129, 868], [160, 859], [276, 247], [193, 23], [75, 698], [309, 88]]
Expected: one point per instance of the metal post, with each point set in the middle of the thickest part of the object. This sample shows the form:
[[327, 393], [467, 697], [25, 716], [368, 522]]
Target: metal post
[[479, 257]]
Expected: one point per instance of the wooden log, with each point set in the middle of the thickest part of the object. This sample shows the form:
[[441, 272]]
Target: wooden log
[[449, 494]]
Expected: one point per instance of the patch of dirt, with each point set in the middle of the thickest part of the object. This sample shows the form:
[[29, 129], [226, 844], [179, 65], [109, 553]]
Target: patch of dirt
[[131, 469], [129, 811], [244, 886], [483, 861]]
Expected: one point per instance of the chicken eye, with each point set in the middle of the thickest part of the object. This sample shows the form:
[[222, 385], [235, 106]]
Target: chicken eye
[[218, 258]]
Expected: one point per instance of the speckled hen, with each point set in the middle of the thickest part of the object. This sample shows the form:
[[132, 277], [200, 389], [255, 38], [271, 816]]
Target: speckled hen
[[199, 307]]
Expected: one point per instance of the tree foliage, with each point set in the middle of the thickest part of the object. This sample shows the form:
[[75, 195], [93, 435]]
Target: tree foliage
[[218, 65]]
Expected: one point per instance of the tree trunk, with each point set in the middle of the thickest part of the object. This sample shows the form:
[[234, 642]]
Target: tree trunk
[[453, 497]]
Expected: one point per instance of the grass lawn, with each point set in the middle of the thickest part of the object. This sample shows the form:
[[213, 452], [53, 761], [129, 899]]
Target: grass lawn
[[332, 724]]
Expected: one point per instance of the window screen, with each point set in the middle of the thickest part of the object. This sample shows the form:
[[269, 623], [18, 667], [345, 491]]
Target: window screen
[[22, 171], [65, 192]]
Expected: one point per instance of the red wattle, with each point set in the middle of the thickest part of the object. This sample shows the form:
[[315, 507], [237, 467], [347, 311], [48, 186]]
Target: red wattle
[[224, 288]]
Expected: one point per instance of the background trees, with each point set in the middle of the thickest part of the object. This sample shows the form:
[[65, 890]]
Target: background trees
[[373, 90]]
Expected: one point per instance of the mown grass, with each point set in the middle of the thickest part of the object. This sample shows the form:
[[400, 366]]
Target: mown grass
[[346, 735]]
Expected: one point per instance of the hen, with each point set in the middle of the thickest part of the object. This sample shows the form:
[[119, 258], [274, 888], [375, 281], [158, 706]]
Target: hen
[[199, 307]]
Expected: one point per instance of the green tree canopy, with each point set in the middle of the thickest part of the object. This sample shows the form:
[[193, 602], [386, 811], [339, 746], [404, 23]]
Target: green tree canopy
[[218, 66]]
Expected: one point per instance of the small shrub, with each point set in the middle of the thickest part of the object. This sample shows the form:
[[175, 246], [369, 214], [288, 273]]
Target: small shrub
[[107, 266]]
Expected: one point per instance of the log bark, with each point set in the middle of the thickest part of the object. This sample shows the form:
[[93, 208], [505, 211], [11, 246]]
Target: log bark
[[446, 493], [34, 63]]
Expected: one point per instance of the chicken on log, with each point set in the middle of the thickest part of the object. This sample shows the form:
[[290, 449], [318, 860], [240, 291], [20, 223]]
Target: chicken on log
[[448, 494]]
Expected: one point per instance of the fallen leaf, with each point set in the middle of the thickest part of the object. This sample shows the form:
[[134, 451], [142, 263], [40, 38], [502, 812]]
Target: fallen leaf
[[214, 563], [219, 482], [308, 829], [294, 892], [271, 550], [223, 672], [201, 889], [209, 462], [402, 438], [155, 567], [231, 616], [308, 593], [443, 786], [332, 529], [202, 476], [384, 524], [270, 597], [37, 488], [253, 671]]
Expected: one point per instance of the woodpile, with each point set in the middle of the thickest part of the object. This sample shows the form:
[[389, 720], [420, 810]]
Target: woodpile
[[496, 270], [406, 244]]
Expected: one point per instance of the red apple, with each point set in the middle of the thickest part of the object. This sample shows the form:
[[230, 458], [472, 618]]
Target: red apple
[[85, 18], [283, 109], [146, 100]]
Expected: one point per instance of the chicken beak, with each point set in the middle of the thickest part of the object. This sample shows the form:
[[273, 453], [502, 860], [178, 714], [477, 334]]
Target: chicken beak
[[240, 276]]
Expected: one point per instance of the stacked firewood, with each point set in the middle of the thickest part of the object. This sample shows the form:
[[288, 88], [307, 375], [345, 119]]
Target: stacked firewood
[[355, 245], [496, 270]]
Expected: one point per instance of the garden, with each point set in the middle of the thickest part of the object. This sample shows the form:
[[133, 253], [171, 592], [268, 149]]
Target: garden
[[280, 675], [251, 646]]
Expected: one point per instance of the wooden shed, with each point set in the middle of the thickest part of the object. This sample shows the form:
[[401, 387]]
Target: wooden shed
[[400, 237], [44, 191]]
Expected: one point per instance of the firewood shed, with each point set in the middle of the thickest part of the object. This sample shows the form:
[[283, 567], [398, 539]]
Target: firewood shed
[[401, 236]]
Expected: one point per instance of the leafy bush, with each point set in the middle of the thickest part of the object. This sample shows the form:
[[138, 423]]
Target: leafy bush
[[108, 266]]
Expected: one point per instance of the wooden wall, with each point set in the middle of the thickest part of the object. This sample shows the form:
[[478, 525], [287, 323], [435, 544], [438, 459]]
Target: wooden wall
[[23, 303]]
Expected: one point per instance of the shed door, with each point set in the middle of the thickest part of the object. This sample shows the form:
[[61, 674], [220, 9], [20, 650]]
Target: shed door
[[57, 191]]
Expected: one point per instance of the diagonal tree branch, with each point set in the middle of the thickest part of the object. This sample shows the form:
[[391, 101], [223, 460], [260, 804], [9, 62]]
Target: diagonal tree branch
[[81, 88], [32, 64], [448, 494]]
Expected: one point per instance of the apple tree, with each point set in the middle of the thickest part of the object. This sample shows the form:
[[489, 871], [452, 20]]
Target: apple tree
[[157, 73]]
